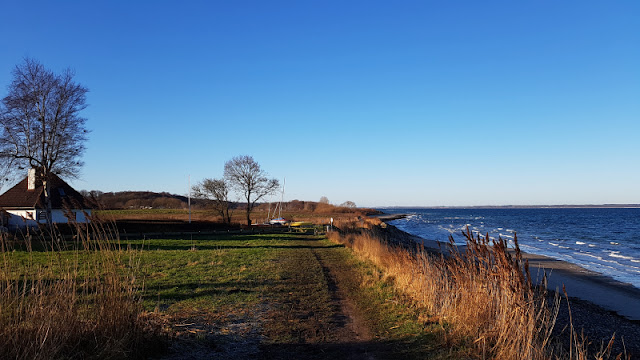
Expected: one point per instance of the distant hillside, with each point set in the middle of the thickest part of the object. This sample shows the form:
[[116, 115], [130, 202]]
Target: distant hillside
[[142, 200], [152, 200]]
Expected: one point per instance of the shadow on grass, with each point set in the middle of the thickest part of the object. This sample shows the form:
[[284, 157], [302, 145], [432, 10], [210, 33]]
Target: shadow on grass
[[224, 247], [232, 346], [191, 290], [412, 348], [184, 243]]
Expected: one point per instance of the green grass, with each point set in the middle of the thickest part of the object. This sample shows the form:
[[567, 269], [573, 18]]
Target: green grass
[[285, 282], [206, 274], [233, 275]]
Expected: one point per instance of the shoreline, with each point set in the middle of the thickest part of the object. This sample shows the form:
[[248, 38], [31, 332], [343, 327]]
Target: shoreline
[[611, 295], [586, 206]]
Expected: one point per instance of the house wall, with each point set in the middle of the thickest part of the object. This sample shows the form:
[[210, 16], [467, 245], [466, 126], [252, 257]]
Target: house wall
[[15, 218], [80, 215]]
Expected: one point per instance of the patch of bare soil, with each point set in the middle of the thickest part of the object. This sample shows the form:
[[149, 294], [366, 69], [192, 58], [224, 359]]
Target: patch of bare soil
[[214, 336]]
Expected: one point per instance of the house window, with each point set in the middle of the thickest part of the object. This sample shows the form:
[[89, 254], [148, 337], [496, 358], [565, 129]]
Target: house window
[[61, 191], [42, 215]]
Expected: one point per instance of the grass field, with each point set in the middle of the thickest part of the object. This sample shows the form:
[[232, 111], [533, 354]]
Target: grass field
[[277, 296], [241, 295], [258, 216]]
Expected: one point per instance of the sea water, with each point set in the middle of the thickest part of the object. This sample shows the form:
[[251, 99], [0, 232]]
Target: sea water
[[604, 240]]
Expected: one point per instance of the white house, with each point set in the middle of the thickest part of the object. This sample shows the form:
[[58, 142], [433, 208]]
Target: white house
[[23, 205]]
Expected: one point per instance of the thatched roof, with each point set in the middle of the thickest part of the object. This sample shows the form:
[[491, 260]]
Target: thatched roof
[[61, 194]]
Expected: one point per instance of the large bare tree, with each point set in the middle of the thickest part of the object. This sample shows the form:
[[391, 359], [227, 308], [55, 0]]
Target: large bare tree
[[41, 126], [248, 179], [216, 190]]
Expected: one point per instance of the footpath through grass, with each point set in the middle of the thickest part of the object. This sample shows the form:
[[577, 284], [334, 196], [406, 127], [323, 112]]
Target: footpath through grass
[[277, 296]]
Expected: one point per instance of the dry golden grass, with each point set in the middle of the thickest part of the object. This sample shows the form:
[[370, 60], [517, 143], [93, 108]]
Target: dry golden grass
[[82, 302], [483, 296], [320, 214]]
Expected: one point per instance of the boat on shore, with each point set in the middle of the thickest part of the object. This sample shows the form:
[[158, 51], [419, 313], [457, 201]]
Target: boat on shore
[[278, 221]]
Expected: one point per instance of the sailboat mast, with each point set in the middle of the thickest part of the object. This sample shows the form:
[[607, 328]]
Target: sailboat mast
[[284, 182]]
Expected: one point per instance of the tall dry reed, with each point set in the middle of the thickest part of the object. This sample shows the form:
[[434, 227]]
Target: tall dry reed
[[78, 298], [484, 293]]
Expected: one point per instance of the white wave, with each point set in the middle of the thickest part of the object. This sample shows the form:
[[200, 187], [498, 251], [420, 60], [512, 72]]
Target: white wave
[[613, 243], [615, 254], [580, 243]]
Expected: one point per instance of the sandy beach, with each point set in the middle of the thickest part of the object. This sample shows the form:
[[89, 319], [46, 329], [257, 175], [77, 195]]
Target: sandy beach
[[610, 294]]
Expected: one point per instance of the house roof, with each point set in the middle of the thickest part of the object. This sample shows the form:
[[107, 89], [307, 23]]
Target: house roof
[[61, 193]]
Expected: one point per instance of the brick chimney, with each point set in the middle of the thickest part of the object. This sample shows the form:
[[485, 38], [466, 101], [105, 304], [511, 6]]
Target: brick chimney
[[32, 179]]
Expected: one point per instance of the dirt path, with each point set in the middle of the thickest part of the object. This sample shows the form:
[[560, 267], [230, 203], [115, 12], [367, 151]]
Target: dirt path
[[307, 313], [350, 324], [339, 332]]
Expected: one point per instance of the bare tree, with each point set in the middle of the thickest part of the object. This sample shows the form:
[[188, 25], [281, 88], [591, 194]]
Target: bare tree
[[40, 124], [216, 190], [247, 178], [324, 200], [348, 204]]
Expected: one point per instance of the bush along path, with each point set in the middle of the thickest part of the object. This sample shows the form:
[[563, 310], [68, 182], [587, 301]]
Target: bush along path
[[280, 297]]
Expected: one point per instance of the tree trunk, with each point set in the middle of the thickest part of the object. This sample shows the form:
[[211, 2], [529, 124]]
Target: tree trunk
[[249, 208], [227, 217], [47, 201]]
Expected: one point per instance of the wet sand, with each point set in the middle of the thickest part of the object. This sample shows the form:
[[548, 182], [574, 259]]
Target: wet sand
[[604, 291]]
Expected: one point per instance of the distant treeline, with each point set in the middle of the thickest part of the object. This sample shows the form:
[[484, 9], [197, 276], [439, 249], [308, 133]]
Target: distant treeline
[[164, 200], [139, 200]]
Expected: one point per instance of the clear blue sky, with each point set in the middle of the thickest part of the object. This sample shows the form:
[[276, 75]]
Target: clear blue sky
[[377, 102]]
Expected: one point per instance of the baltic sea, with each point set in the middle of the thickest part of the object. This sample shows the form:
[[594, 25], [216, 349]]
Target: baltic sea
[[604, 240]]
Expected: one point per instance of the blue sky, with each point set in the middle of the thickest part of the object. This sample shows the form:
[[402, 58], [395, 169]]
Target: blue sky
[[381, 103]]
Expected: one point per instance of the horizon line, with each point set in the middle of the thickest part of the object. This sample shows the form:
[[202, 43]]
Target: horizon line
[[629, 205]]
